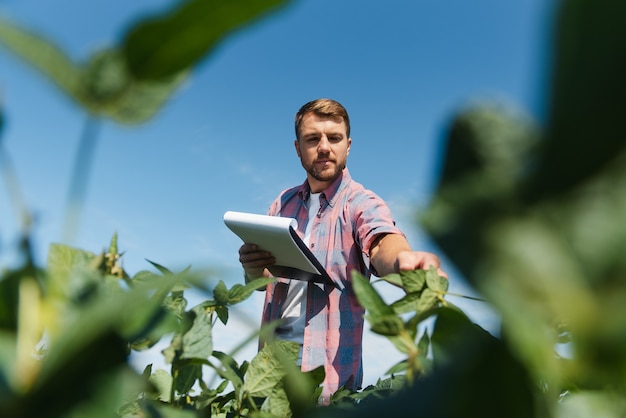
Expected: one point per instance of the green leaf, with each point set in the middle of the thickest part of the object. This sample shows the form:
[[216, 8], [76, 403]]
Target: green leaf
[[394, 382], [408, 303], [43, 55], [399, 367], [428, 300], [369, 298], [220, 293], [277, 403], [186, 376], [387, 325], [393, 279], [436, 282], [108, 89], [266, 368], [9, 299], [164, 270], [239, 293], [413, 280], [104, 87], [165, 45], [162, 382], [222, 313], [586, 97], [71, 272], [404, 343], [229, 369], [198, 340]]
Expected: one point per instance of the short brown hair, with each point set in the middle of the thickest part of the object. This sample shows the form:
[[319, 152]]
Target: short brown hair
[[323, 107]]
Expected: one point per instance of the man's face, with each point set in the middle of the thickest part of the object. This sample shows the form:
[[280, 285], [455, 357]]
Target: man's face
[[323, 149]]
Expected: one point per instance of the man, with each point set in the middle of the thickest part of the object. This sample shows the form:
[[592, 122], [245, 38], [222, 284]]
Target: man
[[347, 227]]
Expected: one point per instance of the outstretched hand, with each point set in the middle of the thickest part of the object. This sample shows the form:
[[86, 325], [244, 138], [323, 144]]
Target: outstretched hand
[[413, 260], [391, 253]]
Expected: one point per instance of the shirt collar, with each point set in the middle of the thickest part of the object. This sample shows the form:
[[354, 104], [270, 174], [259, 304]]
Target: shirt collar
[[331, 191]]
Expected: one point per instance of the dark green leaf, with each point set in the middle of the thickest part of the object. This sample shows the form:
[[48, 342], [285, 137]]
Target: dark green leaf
[[387, 325], [587, 96], [229, 370], [164, 270], [173, 42], [222, 313], [186, 376], [220, 293]]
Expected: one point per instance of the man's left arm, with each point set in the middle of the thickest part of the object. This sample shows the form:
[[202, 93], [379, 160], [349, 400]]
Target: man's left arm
[[391, 253]]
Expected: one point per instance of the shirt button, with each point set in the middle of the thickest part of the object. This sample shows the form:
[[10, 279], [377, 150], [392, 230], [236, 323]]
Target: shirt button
[[313, 245], [308, 349]]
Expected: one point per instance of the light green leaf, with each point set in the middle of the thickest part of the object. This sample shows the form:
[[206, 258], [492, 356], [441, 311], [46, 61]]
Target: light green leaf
[[369, 298], [198, 340], [413, 280], [408, 303], [427, 300], [277, 404], [43, 55], [404, 343], [103, 86], [436, 282], [266, 368], [162, 381], [239, 293], [393, 279], [70, 270]]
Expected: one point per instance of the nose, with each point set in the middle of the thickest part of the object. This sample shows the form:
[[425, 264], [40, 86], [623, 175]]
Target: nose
[[323, 146]]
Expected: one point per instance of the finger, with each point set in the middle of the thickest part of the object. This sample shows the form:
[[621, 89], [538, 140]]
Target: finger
[[248, 248]]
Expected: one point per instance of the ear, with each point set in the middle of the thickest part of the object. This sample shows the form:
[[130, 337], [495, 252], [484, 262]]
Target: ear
[[297, 145], [349, 145]]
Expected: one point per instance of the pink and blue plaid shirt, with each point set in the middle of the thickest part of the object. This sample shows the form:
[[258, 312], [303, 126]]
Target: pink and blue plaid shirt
[[349, 220]]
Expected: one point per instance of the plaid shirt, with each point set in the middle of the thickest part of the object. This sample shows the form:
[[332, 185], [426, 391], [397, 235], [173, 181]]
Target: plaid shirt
[[349, 220]]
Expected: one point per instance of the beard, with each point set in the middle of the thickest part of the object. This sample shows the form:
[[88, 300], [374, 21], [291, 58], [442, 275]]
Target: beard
[[326, 174]]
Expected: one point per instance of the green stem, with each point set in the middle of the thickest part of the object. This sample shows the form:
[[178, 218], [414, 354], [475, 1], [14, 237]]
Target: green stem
[[15, 194], [466, 297], [80, 178]]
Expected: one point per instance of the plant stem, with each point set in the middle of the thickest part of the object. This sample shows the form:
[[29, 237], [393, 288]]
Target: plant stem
[[80, 178]]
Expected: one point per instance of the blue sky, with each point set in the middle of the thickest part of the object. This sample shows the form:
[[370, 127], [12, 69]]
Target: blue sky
[[225, 140]]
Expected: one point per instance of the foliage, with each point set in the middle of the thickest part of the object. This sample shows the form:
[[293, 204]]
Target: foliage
[[543, 212], [130, 82], [532, 217]]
